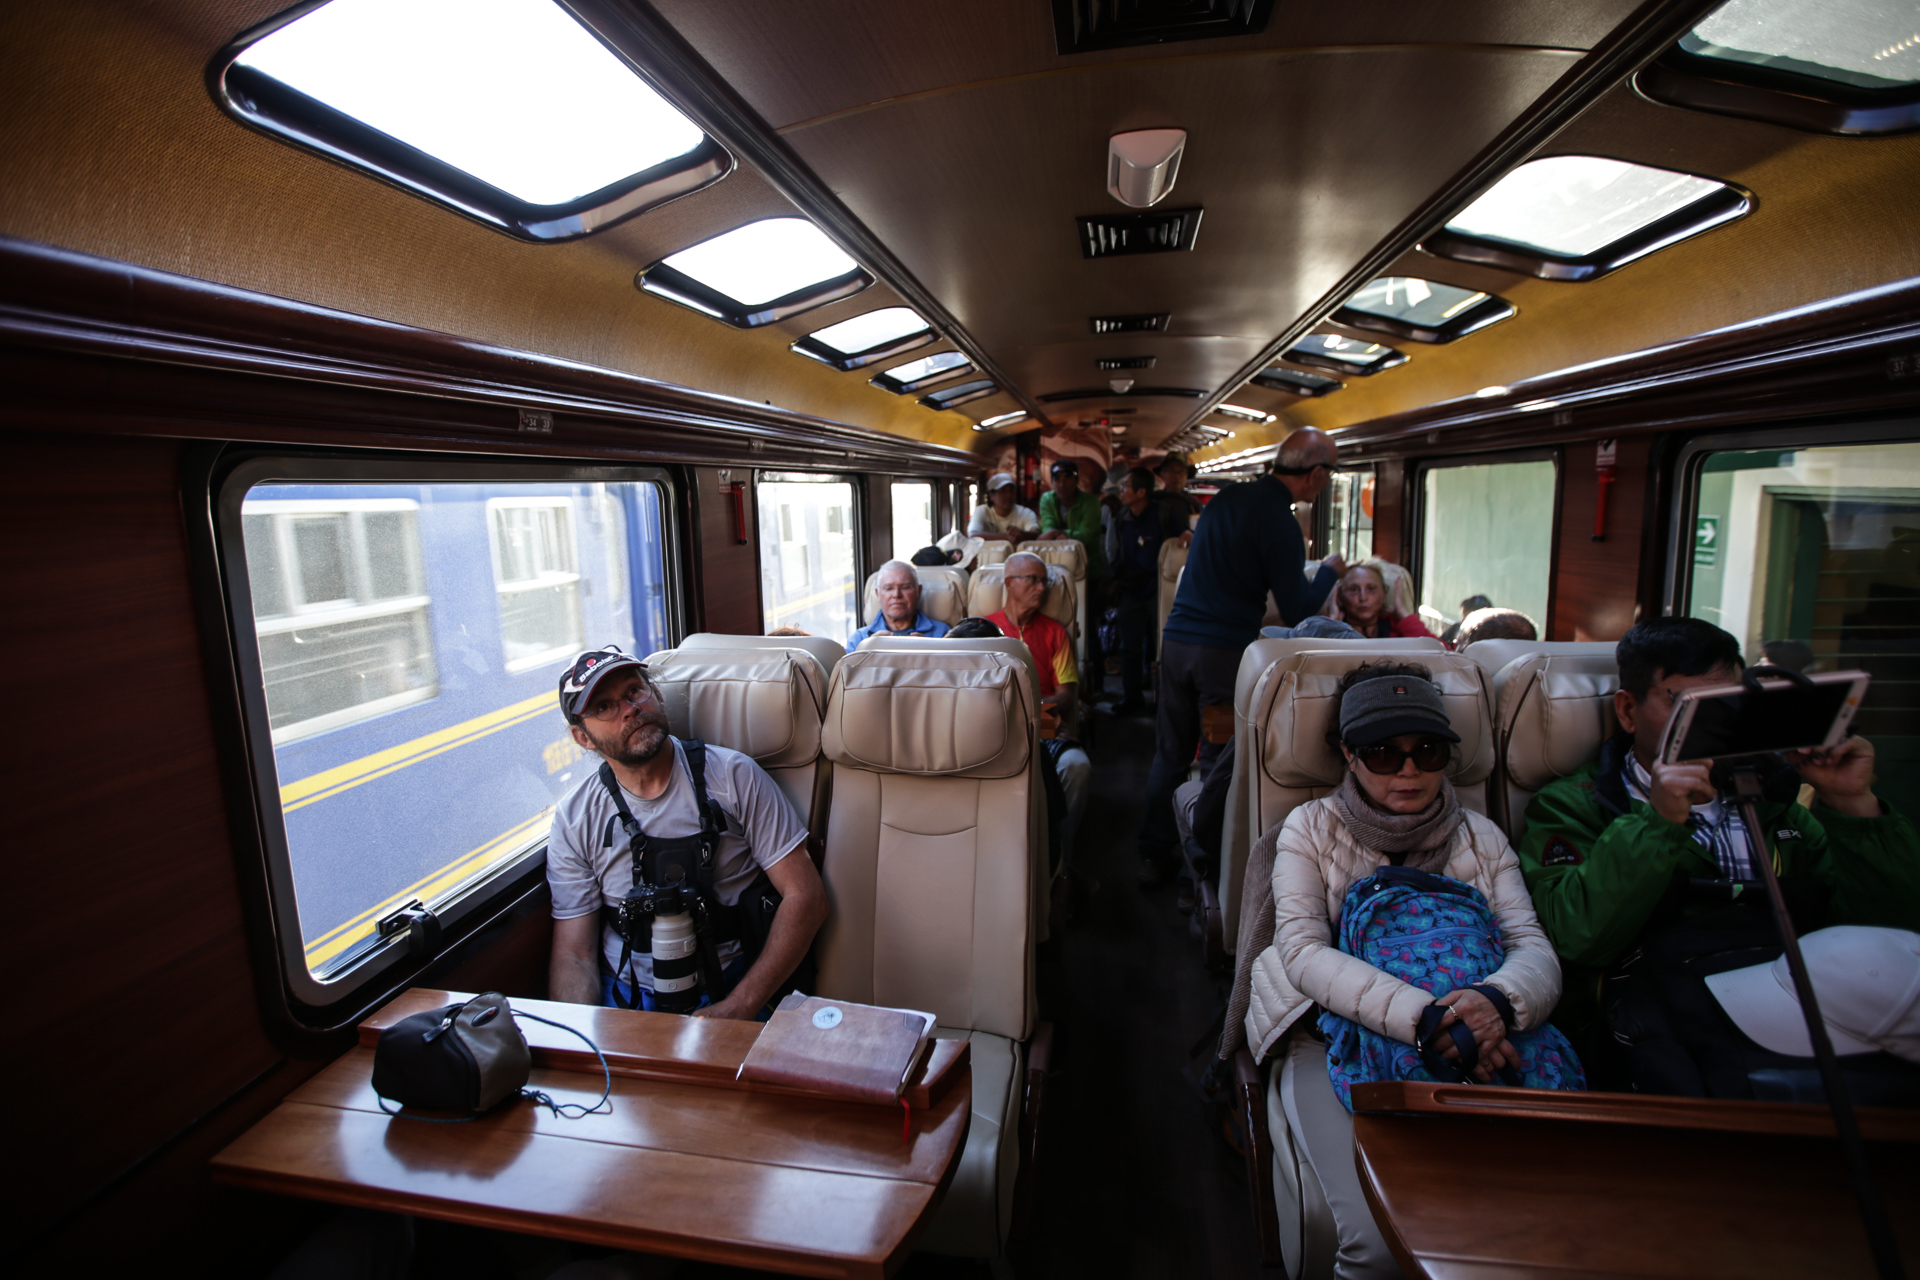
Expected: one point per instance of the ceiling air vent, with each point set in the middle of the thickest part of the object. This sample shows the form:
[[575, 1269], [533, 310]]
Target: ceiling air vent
[[1187, 393], [1082, 26], [1125, 362], [1132, 324], [1111, 235]]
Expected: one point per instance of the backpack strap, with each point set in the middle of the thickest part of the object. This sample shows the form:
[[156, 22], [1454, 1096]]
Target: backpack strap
[[710, 830]]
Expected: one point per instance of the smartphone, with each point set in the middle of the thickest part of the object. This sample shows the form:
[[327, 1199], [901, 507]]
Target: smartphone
[[1731, 720]]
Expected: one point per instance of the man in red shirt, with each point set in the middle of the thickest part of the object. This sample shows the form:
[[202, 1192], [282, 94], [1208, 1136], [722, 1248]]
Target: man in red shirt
[[1052, 649]]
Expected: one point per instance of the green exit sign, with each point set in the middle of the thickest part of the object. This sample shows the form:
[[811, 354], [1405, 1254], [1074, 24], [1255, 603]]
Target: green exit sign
[[1706, 541]]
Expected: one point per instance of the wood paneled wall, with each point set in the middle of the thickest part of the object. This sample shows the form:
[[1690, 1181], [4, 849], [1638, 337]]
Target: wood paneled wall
[[1390, 510], [726, 575], [1596, 582]]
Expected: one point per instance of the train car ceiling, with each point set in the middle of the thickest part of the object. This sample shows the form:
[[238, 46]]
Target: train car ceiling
[[956, 159]]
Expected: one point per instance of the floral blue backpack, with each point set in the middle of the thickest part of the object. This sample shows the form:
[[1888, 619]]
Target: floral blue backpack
[[1438, 934]]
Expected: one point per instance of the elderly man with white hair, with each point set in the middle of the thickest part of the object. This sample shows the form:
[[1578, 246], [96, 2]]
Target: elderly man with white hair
[[898, 587]]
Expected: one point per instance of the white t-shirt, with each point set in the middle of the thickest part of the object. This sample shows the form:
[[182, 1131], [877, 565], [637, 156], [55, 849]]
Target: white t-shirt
[[585, 868], [987, 520]]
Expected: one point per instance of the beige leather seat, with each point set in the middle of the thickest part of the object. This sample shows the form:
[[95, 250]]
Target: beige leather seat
[[995, 552], [943, 594], [1495, 654], [987, 593], [1173, 562], [1552, 711], [764, 702], [826, 652], [1258, 797], [929, 873], [1070, 555]]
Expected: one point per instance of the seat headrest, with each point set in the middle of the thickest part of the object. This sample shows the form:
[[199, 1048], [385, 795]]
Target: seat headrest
[[1293, 702], [994, 552], [983, 644], [931, 710], [987, 593], [1492, 655], [943, 594], [825, 651], [766, 703], [1065, 552], [1173, 558], [1556, 709], [1264, 652]]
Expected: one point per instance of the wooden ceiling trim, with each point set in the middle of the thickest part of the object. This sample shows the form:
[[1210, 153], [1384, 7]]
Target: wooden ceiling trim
[[1638, 40], [636, 30], [325, 376]]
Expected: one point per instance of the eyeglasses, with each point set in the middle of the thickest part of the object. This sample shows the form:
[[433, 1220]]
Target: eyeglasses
[[613, 708], [1430, 755], [1024, 577]]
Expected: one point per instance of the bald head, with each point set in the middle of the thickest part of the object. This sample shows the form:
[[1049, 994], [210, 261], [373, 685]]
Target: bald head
[[1304, 462], [1028, 562]]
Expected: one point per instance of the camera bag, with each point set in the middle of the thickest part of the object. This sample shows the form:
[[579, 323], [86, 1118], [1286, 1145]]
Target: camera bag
[[465, 1057]]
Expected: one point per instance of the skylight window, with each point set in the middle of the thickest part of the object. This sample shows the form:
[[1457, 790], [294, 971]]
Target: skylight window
[[509, 110], [757, 274], [867, 338], [949, 397], [1001, 420], [1420, 310], [917, 375], [1296, 383], [1576, 217], [1345, 355], [1864, 44]]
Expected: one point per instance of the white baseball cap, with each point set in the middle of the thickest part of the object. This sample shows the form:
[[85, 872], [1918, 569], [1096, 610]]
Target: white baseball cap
[[1867, 979], [999, 481]]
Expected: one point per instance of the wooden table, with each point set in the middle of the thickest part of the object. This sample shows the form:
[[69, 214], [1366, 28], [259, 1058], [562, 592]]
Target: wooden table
[[1476, 1183], [689, 1163]]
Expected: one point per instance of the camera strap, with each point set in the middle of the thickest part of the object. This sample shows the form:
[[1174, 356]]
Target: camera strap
[[647, 853]]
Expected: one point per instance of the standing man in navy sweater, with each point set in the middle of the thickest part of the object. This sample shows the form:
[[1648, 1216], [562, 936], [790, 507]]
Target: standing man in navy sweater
[[1248, 544]]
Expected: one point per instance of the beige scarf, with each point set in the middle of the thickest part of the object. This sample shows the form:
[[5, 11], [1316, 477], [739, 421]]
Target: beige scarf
[[1417, 840]]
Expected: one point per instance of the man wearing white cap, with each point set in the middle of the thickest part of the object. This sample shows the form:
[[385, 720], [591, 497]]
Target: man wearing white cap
[[1865, 977], [999, 519]]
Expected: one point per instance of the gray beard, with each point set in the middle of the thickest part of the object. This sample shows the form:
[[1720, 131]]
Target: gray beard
[[633, 759]]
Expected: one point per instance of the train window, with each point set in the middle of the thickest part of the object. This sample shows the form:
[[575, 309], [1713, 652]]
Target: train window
[[407, 623], [1343, 355], [1421, 310], [1849, 67], [917, 375], [1294, 382], [856, 343], [757, 274], [959, 394], [510, 111], [912, 517], [1486, 529], [1350, 515], [1810, 556], [809, 553], [1579, 217]]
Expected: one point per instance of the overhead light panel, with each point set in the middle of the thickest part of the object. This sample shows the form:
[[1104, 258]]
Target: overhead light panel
[[1120, 385], [917, 375], [1865, 44], [1420, 310], [758, 274], [1244, 415], [1001, 420], [867, 338], [1143, 165]]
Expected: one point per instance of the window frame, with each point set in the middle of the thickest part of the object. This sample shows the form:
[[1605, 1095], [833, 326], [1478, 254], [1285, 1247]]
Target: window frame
[[962, 393], [1265, 378], [1491, 309], [848, 361], [320, 1007], [1684, 503], [1416, 505], [287, 115], [1393, 359], [1729, 204], [663, 281], [887, 383], [861, 520], [933, 504], [1813, 104]]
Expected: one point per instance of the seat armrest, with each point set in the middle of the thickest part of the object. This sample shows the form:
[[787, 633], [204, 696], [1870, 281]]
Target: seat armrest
[[1256, 1144], [1033, 1098]]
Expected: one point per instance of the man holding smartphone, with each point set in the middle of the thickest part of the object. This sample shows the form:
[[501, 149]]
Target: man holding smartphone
[[1610, 852]]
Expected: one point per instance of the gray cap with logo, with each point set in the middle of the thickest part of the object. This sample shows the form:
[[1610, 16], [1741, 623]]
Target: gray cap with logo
[[1387, 706]]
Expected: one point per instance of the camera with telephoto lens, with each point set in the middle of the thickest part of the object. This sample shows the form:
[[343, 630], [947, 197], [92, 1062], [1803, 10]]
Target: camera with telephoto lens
[[672, 915]]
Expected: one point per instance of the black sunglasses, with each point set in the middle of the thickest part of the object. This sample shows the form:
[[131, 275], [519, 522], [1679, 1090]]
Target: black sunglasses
[[1429, 756]]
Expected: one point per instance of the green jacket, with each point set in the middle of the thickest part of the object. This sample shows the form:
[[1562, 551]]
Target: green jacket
[[1601, 866], [1082, 523]]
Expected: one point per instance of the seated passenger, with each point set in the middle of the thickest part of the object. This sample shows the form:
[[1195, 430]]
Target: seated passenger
[[1366, 600], [1052, 649], [1629, 847], [788, 631], [1493, 624], [1395, 805], [671, 795], [999, 518], [1472, 604], [898, 587]]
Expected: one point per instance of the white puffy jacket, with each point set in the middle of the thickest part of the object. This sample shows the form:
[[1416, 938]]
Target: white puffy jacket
[[1315, 862]]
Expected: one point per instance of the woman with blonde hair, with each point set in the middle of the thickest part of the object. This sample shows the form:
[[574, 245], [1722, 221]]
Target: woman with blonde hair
[[1375, 598]]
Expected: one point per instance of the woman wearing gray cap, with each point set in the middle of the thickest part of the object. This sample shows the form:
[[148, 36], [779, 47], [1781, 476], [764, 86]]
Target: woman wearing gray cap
[[998, 519], [1395, 806]]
